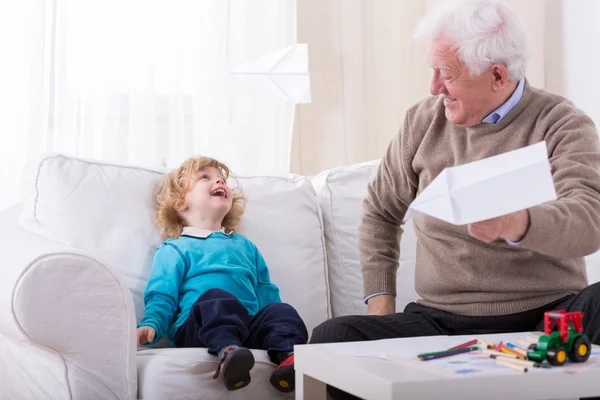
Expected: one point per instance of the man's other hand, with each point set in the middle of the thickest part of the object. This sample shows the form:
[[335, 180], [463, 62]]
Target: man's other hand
[[512, 227], [382, 304]]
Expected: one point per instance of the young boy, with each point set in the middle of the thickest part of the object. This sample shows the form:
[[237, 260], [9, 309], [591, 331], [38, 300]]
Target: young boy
[[210, 287]]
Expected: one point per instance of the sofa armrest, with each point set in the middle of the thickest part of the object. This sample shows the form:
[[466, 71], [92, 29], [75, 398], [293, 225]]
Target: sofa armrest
[[72, 308]]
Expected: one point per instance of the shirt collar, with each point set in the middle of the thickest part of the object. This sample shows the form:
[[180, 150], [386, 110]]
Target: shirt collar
[[201, 233], [505, 108]]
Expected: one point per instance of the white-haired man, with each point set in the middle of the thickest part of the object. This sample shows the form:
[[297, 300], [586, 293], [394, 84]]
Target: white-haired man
[[499, 275]]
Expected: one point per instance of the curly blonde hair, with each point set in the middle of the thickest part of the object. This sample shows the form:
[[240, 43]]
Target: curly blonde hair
[[171, 192]]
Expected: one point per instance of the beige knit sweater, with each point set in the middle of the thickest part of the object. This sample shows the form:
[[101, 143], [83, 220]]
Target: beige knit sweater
[[455, 272]]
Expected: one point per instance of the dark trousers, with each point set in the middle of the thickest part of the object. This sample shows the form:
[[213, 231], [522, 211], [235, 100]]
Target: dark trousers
[[218, 319], [418, 320]]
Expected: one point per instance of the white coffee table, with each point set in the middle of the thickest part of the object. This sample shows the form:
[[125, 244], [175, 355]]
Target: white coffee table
[[372, 378]]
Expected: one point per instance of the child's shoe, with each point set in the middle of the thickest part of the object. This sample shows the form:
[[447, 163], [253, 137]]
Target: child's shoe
[[284, 376], [235, 363]]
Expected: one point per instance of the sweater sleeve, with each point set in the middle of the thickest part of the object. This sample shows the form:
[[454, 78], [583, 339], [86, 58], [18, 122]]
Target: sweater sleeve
[[266, 291], [389, 194], [569, 227], [162, 292]]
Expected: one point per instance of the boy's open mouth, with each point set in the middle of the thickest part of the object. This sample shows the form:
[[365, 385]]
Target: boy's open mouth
[[219, 192]]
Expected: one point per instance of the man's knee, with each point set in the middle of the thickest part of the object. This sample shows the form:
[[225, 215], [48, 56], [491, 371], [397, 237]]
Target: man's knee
[[335, 330], [592, 293], [588, 302]]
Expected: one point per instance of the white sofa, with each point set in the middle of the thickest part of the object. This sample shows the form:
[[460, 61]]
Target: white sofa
[[77, 252]]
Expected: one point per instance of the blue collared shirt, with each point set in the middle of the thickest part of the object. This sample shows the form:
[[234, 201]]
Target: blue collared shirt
[[493, 118], [505, 108]]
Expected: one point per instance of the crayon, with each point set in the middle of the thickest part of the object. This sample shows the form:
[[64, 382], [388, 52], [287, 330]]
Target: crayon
[[467, 344], [447, 353], [433, 353]]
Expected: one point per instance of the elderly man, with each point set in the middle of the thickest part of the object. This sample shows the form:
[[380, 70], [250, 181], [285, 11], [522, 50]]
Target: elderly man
[[499, 275]]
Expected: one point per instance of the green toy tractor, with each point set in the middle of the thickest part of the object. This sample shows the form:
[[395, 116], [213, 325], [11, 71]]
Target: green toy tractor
[[568, 341]]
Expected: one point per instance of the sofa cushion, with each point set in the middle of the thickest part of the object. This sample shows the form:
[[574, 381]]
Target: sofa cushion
[[108, 210], [340, 192], [188, 374]]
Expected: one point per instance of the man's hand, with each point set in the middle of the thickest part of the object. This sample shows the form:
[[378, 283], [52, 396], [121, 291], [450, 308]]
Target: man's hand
[[511, 227], [382, 304], [145, 334]]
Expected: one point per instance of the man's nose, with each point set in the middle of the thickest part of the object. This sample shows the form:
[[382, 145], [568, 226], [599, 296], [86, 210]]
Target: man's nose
[[437, 86]]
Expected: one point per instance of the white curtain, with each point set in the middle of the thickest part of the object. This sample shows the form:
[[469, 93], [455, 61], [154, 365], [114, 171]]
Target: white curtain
[[141, 82], [366, 70]]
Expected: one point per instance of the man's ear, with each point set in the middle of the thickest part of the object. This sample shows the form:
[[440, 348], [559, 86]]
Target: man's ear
[[499, 77]]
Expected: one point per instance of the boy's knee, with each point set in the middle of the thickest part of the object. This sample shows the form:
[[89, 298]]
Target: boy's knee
[[280, 309], [283, 307]]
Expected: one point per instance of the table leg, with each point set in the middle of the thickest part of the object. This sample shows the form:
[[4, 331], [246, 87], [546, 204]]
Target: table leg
[[309, 388]]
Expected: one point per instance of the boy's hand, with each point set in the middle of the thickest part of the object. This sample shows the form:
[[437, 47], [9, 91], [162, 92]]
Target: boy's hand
[[145, 334]]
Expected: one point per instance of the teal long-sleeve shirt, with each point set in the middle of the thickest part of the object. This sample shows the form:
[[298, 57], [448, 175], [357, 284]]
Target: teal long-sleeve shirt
[[185, 267]]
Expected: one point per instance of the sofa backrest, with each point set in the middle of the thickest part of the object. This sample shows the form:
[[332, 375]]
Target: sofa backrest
[[340, 192], [108, 210]]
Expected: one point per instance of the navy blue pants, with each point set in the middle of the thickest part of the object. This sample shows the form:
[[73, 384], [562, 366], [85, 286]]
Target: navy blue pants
[[218, 319]]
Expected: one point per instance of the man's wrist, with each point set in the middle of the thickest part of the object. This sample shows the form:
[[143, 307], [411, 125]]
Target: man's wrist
[[383, 304], [367, 298]]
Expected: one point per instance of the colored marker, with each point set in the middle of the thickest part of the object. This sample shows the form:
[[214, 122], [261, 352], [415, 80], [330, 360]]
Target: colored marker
[[507, 363], [528, 364], [495, 354], [505, 349], [516, 349], [516, 360]]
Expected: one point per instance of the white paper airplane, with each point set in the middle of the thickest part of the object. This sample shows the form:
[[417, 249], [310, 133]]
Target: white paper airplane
[[488, 188], [285, 72]]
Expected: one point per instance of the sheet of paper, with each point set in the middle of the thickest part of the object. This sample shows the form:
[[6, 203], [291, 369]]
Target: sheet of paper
[[488, 188], [405, 351], [284, 72], [371, 349]]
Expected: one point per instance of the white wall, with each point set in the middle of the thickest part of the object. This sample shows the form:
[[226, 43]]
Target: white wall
[[573, 55]]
